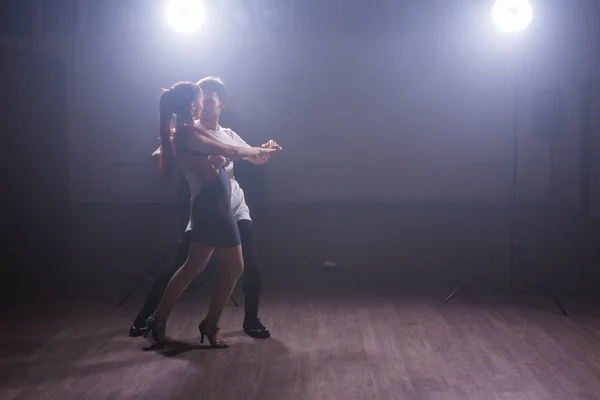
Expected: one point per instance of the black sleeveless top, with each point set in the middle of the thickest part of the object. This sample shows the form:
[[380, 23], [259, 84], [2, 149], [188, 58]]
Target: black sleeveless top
[[213, 222]]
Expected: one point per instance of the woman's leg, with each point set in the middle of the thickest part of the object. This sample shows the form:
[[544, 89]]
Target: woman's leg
[[198, 257], [231, 266]]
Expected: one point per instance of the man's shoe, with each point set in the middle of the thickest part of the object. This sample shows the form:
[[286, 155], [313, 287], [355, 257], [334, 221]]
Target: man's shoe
[[139, 327], [254, 328]]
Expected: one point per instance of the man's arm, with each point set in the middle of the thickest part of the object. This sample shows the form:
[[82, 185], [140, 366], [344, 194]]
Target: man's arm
[[196, 140], [259, 159]]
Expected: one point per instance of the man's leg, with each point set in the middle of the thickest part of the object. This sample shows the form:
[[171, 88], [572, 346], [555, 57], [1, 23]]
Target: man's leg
[[252, 284], [160, 284]]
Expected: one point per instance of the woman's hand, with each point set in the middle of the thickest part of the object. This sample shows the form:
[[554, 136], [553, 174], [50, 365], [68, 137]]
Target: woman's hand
[[265, 153], [218, 161], [266, 157], [206, 167], [271, 144]]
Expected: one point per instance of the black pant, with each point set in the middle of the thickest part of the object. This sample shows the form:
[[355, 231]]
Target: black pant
[[252, 277]]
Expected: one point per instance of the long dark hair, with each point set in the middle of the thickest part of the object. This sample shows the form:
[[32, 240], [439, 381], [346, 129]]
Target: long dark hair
[[176, 101]]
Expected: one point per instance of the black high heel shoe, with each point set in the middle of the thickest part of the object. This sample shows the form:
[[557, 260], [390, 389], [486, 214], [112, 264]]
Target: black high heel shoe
[[157, 328], [211, 334]]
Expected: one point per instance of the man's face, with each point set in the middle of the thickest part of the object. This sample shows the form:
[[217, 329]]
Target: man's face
[[197, 106], [212, 107]]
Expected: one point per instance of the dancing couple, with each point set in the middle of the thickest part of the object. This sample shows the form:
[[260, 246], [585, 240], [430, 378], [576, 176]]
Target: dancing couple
[[219, 223]]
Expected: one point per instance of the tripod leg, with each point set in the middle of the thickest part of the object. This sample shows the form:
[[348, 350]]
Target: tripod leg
[[520, 265], [542, 288], [454, 292], [130, 292], [550, 293], [458, 288], [558, 303], [142, 279], [234, 301]]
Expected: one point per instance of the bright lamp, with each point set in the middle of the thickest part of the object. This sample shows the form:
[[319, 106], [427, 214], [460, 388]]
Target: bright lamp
[[185, 16], [512, 15]]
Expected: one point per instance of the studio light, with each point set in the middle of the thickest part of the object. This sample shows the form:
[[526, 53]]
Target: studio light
[[185, 16], [512, 15]]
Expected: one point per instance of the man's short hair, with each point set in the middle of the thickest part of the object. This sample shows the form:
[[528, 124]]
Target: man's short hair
[[214, 84]]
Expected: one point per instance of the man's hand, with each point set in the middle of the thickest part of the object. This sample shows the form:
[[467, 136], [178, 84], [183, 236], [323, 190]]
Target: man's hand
[[271, 144], [207, 167], [263, 159]]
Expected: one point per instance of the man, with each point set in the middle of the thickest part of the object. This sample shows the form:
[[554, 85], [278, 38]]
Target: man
[[215, 100]]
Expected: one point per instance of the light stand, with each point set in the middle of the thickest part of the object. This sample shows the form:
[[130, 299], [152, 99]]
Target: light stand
[[514, 245]]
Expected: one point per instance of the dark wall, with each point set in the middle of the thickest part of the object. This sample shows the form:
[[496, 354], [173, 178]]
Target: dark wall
[[115, 245], [34, 168], [427, 107], [428, 101]]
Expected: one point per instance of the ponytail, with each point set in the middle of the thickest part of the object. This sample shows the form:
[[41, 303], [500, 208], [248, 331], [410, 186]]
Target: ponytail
[[174, 101], [166, 158]]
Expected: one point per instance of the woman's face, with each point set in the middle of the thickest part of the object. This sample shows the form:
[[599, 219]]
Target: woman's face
[[197, 106]]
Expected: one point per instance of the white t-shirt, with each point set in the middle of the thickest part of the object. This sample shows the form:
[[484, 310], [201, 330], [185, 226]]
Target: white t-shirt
[[238, 201]]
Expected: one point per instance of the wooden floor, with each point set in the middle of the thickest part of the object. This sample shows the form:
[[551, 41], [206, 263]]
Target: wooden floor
[[357, 341]]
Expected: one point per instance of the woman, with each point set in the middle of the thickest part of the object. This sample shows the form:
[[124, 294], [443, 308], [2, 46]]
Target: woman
[[214, 228]]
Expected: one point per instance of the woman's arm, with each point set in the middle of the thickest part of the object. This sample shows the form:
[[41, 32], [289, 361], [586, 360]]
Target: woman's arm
[[206, 167], [195, 140], [257, 160]]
